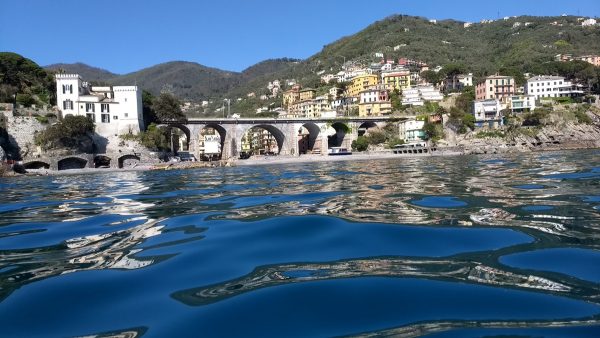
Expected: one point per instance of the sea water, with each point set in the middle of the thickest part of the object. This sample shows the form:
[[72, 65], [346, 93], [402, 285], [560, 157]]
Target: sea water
[[441, 246]]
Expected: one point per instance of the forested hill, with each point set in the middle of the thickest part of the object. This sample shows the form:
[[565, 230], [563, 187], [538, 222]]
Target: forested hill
[[521, 42]]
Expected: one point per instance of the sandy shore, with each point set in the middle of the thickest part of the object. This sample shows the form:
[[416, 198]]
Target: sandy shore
[[267, 160]]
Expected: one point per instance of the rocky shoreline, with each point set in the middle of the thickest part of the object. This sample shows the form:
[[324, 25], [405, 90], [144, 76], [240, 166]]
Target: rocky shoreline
[[549, 138]]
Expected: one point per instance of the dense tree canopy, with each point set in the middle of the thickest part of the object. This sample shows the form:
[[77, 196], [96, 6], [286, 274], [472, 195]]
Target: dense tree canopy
[[167, 107]]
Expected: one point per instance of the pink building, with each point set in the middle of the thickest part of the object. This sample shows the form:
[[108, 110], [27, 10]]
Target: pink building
[[495, 87]]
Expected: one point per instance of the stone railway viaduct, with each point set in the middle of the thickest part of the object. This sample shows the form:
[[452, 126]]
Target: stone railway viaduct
[[285, 132]]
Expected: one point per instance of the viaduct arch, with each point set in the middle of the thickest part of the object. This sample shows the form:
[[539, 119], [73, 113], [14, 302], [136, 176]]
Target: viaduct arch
[[294, 136]]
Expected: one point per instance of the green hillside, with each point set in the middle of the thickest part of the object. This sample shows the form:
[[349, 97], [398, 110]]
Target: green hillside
[[520, 42], [24, 81], [187, 80]]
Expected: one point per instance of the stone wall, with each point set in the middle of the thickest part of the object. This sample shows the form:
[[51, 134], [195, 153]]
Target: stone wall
[[22, 131]]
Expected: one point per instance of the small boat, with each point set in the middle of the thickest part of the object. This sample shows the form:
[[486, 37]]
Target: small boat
[[335, 151]]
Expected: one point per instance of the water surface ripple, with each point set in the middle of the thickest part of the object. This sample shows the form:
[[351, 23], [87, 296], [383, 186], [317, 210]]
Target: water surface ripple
[[459, 246]]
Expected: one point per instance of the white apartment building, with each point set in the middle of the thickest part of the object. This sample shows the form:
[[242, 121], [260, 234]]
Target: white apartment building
[[488, 113], [115, 110], [346, 76], [417, 96], [551, 86]]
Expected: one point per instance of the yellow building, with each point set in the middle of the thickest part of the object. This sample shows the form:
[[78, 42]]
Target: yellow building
[[309, 108], [307, 94], [396, 80], [361, 83], [290, 97], [374, 108]]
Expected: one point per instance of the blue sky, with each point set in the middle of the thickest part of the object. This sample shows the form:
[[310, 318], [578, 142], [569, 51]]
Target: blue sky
[[127, 35]]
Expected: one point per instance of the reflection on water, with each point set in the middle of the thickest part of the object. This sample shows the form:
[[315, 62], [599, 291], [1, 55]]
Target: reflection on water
[[436, 269], [207, 238]]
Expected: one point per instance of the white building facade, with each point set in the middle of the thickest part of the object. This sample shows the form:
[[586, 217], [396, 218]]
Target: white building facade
[[115, 110], [417, 96], [488, 113], [551, 86], [521, 103]]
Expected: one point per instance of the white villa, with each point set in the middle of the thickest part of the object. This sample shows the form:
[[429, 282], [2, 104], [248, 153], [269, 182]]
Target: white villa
[[551, 86], [115, 110]]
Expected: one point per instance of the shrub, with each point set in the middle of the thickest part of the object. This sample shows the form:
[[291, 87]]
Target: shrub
[[582, 117], [433, 131], [42, 119], [469, 121], [25, 100], [563, 100], [393, 142], [461, 121], [431, 107], [535, 118], [376, 137], [154, 138], [360, 144], [65, 133]]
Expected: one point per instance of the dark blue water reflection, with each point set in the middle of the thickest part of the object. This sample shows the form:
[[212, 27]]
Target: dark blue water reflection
[[462, 246]]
